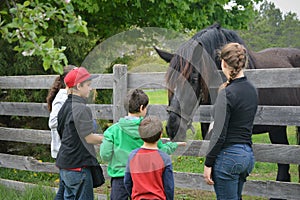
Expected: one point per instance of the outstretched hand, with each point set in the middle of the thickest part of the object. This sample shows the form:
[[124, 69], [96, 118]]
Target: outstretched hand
[[181, 143]]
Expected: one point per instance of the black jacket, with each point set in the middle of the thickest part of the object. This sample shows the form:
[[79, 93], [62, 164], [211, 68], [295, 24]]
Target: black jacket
[[75, 122]]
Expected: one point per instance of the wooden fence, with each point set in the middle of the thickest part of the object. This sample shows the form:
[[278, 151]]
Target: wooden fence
[[120, 81]]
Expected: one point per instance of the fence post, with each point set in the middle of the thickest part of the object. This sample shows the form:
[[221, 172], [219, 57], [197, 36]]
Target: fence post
[[119, 91]]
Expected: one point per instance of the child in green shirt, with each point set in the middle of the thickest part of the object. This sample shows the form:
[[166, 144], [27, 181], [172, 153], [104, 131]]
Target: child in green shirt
[[123, 137]]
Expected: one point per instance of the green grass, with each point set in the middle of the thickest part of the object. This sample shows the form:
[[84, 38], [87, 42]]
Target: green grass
[[34, 193], [157, 96]]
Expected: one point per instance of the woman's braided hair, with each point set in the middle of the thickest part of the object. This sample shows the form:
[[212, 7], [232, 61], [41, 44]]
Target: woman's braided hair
[[235, 56]]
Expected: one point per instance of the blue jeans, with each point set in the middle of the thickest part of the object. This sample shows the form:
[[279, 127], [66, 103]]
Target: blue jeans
[[118, 191], [60, 191], [77, 185], [230, 171]]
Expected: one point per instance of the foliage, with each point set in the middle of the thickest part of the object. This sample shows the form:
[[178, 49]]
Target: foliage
[[272, 29], [32, 26], [28, 28], [21, 95], [119, 15]]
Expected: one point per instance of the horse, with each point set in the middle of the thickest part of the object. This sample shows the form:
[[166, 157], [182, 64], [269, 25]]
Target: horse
[[196, 63]]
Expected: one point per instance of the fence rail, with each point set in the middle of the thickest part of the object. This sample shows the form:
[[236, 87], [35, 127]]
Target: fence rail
[[120, 81]]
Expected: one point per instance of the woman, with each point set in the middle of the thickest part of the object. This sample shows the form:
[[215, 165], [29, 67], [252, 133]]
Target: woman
[[230, 157], [56, 98]]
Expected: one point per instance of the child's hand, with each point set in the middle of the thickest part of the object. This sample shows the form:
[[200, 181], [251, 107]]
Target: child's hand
[[181, 143]]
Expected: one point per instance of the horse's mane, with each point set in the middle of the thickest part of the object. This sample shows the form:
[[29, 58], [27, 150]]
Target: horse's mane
[[211, 40]]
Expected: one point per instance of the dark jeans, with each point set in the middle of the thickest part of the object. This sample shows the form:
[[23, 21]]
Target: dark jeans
[[77, 185], [118, 191], [230, 171], [60, 191]]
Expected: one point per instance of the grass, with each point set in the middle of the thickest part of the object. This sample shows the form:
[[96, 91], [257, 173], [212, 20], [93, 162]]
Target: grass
[[262, 171], [34, 193]]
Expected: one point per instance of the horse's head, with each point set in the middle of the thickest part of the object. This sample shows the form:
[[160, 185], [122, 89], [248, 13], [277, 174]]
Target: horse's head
[[187, 88], [192, 71]]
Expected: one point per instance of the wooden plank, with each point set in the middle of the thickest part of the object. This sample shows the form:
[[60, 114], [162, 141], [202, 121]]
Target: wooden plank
[[266, 189], [24, 109], [25, 135], [274, 78], [266, 115], [27, 82], [278, 115], [277, 153], [119, 91], [103, 81], [153, 80], [100, 111], [261, 78], [273, 153], [31, 164], [272, 189], [26, 163]]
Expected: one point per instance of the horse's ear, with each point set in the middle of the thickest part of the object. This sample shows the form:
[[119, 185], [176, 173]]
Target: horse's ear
[[166, 56]]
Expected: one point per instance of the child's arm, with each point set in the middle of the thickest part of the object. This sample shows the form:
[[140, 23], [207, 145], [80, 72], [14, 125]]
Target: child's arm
[[93, 138], [169, 147], [168, 180], [107, 146]]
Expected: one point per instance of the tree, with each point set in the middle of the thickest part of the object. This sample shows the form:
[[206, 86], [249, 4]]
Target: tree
[[33, 26], [27, 25], [119, 15], [272, 29]]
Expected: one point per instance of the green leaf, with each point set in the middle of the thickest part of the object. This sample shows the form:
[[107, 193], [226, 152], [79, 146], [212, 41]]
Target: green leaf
[[13, 10], [49, 44], [3, 12], [58, 68], [72, 27], [69, 8], [17, 48], [26, 3], [41, 39], [46, 63]]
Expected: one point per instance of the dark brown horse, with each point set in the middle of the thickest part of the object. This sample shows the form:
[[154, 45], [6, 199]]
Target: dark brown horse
[[195, 66]]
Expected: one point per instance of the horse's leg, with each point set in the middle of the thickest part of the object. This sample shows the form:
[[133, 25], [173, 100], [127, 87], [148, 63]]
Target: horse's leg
[[278, 135], [204, 129], [298, 142]]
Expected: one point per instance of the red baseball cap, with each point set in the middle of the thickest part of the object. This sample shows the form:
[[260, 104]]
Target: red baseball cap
[[78, 75]]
